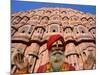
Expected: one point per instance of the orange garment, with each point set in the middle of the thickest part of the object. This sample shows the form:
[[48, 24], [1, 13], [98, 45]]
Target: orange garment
[[48, 68]]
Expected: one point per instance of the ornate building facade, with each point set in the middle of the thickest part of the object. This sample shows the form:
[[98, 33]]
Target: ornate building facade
[[31, 29]]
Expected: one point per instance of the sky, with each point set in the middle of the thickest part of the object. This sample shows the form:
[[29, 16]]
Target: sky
[[17, 6]]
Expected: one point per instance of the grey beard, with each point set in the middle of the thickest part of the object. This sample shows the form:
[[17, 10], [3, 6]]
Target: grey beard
[[56, 70], [56, 67]]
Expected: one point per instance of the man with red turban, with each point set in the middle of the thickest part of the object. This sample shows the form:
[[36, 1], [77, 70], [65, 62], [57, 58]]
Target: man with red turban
[[56, 48]]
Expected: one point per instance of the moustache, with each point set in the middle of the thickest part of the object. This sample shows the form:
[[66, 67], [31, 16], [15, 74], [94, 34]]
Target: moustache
[[60, 53]]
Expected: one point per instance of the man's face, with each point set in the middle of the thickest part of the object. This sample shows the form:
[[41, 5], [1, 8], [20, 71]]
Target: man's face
[[57, 54]]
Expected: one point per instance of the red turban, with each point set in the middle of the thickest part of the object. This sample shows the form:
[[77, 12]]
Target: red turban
[[53, 39]]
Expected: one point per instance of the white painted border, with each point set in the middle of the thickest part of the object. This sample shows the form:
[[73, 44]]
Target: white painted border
[[5, 43]]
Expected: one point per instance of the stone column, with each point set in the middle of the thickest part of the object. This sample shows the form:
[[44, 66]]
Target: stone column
[[33, 50]]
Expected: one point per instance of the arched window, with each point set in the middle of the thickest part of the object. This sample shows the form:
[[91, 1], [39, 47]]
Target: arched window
[[48, 11], [82, 29], [93, 30], [24, 20], [74, 18], [36, 17], [54, 28], [79, 29], [65, 18], [39, 30], [16, 20], [24, 29], [90, 19], [64, 12], [76, 31], [30, 30], [84, 19], [68, 30], [44, 19], [55, 17]]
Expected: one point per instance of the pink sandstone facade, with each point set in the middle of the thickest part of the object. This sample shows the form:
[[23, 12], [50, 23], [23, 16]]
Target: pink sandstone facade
[[31, 29]]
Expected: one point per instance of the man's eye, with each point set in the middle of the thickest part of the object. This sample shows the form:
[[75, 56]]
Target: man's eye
[[53, 45], [60, 45]]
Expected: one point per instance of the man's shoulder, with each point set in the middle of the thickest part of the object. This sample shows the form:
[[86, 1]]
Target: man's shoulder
[[42, 68], [69, 67]]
